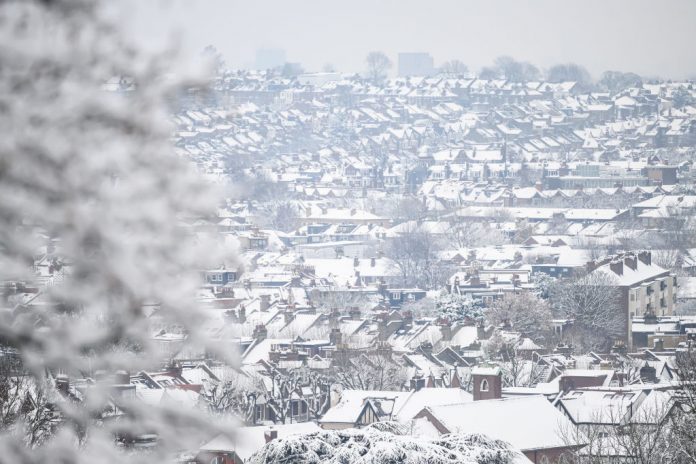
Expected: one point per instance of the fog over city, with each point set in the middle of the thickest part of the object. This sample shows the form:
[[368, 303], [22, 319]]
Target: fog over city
[[358, 232], [624, 35]]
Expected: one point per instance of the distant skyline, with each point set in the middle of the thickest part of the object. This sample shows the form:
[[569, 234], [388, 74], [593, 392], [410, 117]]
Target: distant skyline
[[647, 37]]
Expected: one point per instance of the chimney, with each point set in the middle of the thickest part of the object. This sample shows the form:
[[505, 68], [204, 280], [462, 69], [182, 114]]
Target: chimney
[[356, 262], [645, 257], [373, 262], [631, 262], [616, 267], [475, 279], [354, 313], [648, 374], [538, 186], [417, 381], [336, 337], [270, 435], [260, 332], [516, 281], [488, 382], [353, 212], [175, 369], [265, 302], [658, 344], [446, 331], [565, 350], [288, 316], [242, 314], [619, 348]]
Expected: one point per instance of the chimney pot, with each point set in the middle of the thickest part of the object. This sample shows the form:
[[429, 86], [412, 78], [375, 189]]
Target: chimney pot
[[616, 267]]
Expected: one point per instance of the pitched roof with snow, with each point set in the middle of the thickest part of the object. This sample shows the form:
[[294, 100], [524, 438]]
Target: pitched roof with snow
[[527, 423]]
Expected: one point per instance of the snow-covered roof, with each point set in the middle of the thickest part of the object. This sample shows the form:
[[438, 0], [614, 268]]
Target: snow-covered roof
[[629, 276], [527, 423], [352, 402], [245, 441]]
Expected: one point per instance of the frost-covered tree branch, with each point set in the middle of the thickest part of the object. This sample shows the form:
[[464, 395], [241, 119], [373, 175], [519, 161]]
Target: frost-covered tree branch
[[89, 179]]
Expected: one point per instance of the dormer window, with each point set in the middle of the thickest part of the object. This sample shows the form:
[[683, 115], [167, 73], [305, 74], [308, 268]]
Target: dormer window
[[484, 385]]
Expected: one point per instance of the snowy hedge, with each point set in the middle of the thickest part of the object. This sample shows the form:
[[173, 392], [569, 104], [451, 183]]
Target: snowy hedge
[[384, 443]]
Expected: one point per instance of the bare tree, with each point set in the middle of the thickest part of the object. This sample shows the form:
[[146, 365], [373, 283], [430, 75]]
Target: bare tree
[[283, 215], [646, 436], [669, 258], [319, 386], [378, 64], [678, 229], [516, 71], [568, 72], [683, 419], [517, 371], [469, 234], [377, 371], [489, 73], [414, 251], [342, 299], [425, 307], [408, 208], [237, 396], [592, 302], [617, 81], [283, 393], [523, 312], [24, 404], [455, 67]]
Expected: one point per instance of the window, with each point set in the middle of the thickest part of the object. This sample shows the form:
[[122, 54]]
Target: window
[[303, 408], [484, 385]]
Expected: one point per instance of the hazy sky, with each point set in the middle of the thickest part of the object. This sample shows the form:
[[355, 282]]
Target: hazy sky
[[646, 36]]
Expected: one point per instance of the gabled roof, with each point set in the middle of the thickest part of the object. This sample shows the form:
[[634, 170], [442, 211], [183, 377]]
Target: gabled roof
[[527, 423]]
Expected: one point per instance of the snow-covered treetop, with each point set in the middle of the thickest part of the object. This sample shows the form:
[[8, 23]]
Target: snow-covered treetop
[[384, 443]]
